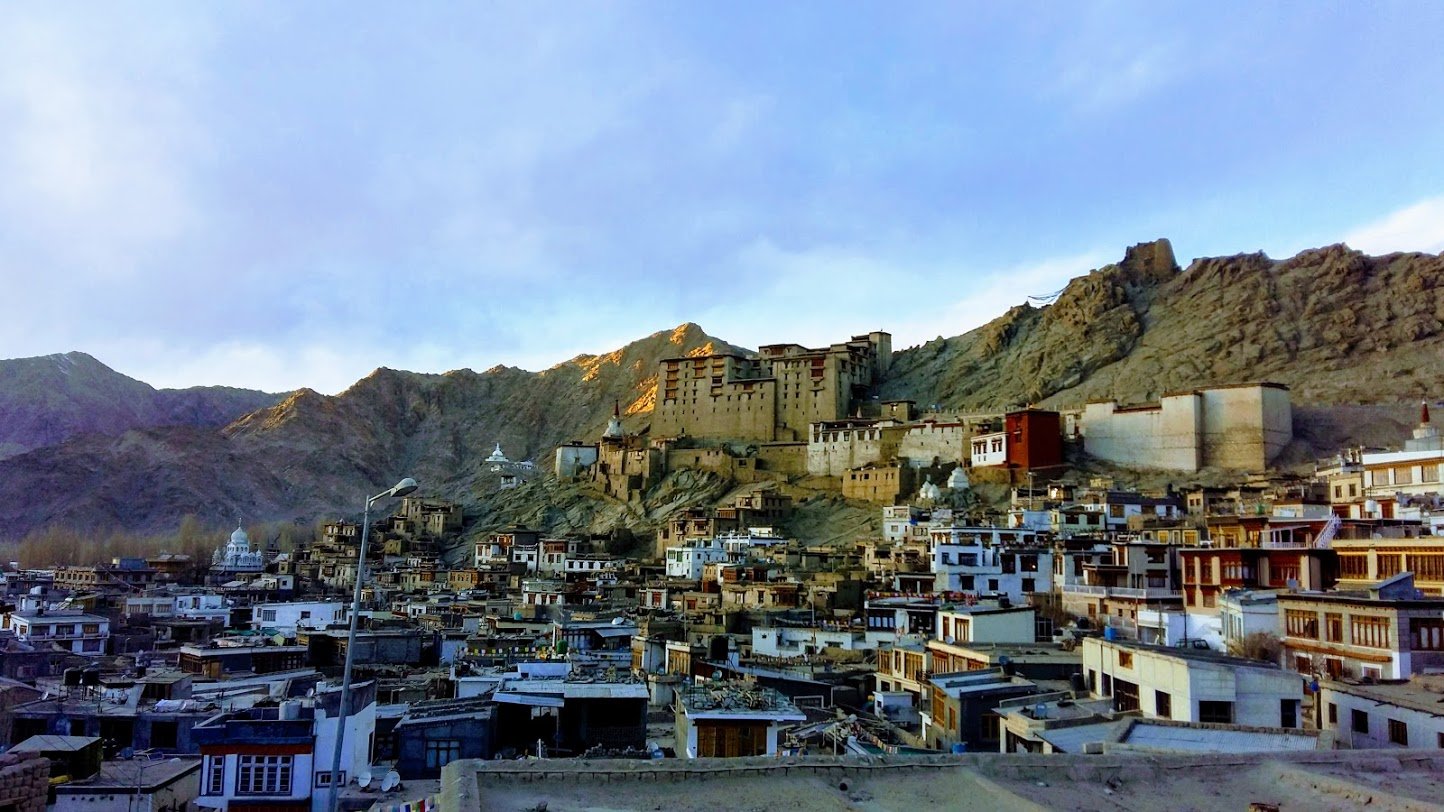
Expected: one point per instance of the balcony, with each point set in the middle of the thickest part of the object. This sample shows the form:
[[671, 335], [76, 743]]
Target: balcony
[[1149, 593]]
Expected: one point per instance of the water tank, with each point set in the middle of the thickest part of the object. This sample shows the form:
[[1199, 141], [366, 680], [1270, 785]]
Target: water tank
[[1371, 508], [290, 710], [1040, 711], [960, 748], [1110, 633]]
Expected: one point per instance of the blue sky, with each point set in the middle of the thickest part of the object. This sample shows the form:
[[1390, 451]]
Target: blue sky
[[274, 196]]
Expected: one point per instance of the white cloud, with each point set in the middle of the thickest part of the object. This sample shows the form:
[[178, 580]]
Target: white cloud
[[825, 294], [1418, 227], [991, 293], [96, 141]]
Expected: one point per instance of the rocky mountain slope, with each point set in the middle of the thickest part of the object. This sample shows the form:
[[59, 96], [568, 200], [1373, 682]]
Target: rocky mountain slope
[[313, 455], [49, 399], [1336, 325], [1356, 337]]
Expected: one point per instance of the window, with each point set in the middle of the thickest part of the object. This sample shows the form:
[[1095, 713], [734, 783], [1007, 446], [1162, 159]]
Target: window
[[441, 752], [163, 735], [1301, 623], [216, 776], [1334, 627], [1398, 733], [991, 728], [1214, 712], [1372, 632], [1125, 659], [1107, 685], [323, 778], [1333, 714], [264, 775], [1162, 705], [1427, 634], [268, 615], [1125, 696], [90, 645], [1359, 721]]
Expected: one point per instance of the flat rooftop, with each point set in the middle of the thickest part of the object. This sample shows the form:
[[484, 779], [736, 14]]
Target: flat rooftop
[[1422, 693], [1362, 780]]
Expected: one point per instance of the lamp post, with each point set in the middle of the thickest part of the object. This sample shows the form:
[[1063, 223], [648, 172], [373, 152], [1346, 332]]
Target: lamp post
[[401, 488]]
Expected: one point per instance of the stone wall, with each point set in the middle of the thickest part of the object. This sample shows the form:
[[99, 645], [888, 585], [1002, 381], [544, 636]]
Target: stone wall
[[24, 781], [929, 442]]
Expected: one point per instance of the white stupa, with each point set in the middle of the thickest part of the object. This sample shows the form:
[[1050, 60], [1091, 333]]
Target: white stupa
[[930, 492], [614, 426], [497, 459], [958, 480]]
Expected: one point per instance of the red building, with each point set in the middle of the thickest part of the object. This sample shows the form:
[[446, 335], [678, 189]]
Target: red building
[[1035, 439]]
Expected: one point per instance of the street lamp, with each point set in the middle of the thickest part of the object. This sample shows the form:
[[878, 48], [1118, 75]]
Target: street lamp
[[401, 488]]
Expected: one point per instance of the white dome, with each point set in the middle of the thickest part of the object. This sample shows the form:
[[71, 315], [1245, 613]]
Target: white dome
[[497, 456], [239, 537]]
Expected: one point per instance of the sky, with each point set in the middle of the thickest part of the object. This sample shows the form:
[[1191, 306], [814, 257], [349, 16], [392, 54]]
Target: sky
[[277, 195]]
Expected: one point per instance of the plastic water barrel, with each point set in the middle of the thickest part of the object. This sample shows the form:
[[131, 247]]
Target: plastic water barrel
[[959, 748], [1110, 633]]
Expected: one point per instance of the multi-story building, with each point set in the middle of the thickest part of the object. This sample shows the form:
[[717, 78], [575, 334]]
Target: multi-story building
[[990, 561], [688, 560], [1384, 715], [279, 758], [1389, 632], [773, 396], [287, 618], [1134, 577], [1189, 685], [1031, 439], [73, 631], [1374, 556]]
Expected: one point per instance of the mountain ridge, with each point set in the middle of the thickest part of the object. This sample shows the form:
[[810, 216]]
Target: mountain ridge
[[1337, 326]]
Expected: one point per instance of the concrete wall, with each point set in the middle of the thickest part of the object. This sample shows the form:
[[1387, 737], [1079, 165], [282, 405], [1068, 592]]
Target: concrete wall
[[1256, 693], [1424, 729]]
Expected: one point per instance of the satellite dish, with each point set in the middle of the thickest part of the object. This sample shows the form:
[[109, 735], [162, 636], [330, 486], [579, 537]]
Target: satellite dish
[[391, 781], [364, 779]]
